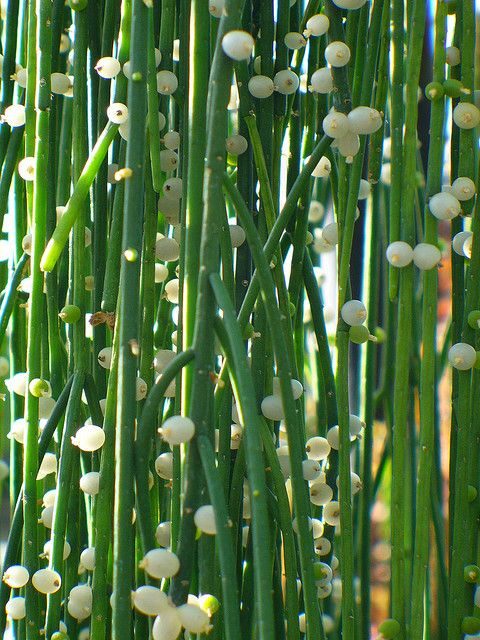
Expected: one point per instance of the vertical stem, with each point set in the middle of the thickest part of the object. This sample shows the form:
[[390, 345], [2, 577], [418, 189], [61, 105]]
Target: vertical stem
[[427, 372], [128, 319], [404, 334]]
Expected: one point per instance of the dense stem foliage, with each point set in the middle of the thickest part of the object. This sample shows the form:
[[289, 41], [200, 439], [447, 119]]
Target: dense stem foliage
[[239, 320]]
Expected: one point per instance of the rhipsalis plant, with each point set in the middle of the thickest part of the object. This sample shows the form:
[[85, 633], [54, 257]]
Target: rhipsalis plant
[[239, 320]]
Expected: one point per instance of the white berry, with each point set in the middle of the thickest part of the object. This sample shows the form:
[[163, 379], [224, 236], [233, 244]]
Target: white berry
[[399, 253], [238, 45], [462, 356]]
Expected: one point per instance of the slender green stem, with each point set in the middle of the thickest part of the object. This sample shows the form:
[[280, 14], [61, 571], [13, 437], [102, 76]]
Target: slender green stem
[[77, 199], [68, 454], [128, 319], [397, 109], [223, 540], [404, 332], [145, 435], [10, 294], [428, 373], [295, 437]]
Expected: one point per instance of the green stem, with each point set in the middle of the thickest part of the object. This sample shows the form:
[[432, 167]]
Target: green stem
[[295, 437], [60, 235], [145, 435], [404, 334], [10, 295], [427, 372], [128, 320]]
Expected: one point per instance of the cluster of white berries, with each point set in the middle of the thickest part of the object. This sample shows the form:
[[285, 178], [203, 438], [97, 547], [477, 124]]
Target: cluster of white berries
[[345, 129], [60, 84], [326, 238], [425, 256], [272, 407], [194, 616], [238, 45]]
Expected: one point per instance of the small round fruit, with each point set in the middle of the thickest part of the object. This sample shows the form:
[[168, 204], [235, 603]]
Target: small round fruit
[[160, 563], [453, 88], [15, 608], [470, 625], [46, 581], [349, 4], [167, 82], [359, 334], [466, 115], [320, 493], [354, 313], [336, 125], [89, 438], [462, 356], [389, 628], [105, 357], [209, 604], [463, 188], [167, 625], [286, 82], [317, 25], [70, 314], [452, 55], [426, 256], [15, 115], [16, 576], [399, 253], [331, 513], [444, 206], [149, 600], [193, 618], [87, 558], [294, 40], [177, 430], [164, 465], [204, 519], [90, 483], [459, 240], [108, 67], [337, 54], [471, 573], [117, 112], [272, 408], [317, 448], [238, 45], [261, 86], [365, 120]]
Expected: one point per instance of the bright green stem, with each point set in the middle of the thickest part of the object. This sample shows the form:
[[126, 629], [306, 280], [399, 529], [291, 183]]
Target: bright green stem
[[77, 199], [10, 295], [295, 437], [404, 333], [461, 549], [285, 521], [192, 228], [13, 544], [201, 401], [37, 300], [223, 540], [128, 319], [397, 109], [345, 486], [428, 364], [145, 435], [244, 392], [68, 453], [103, 501]]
